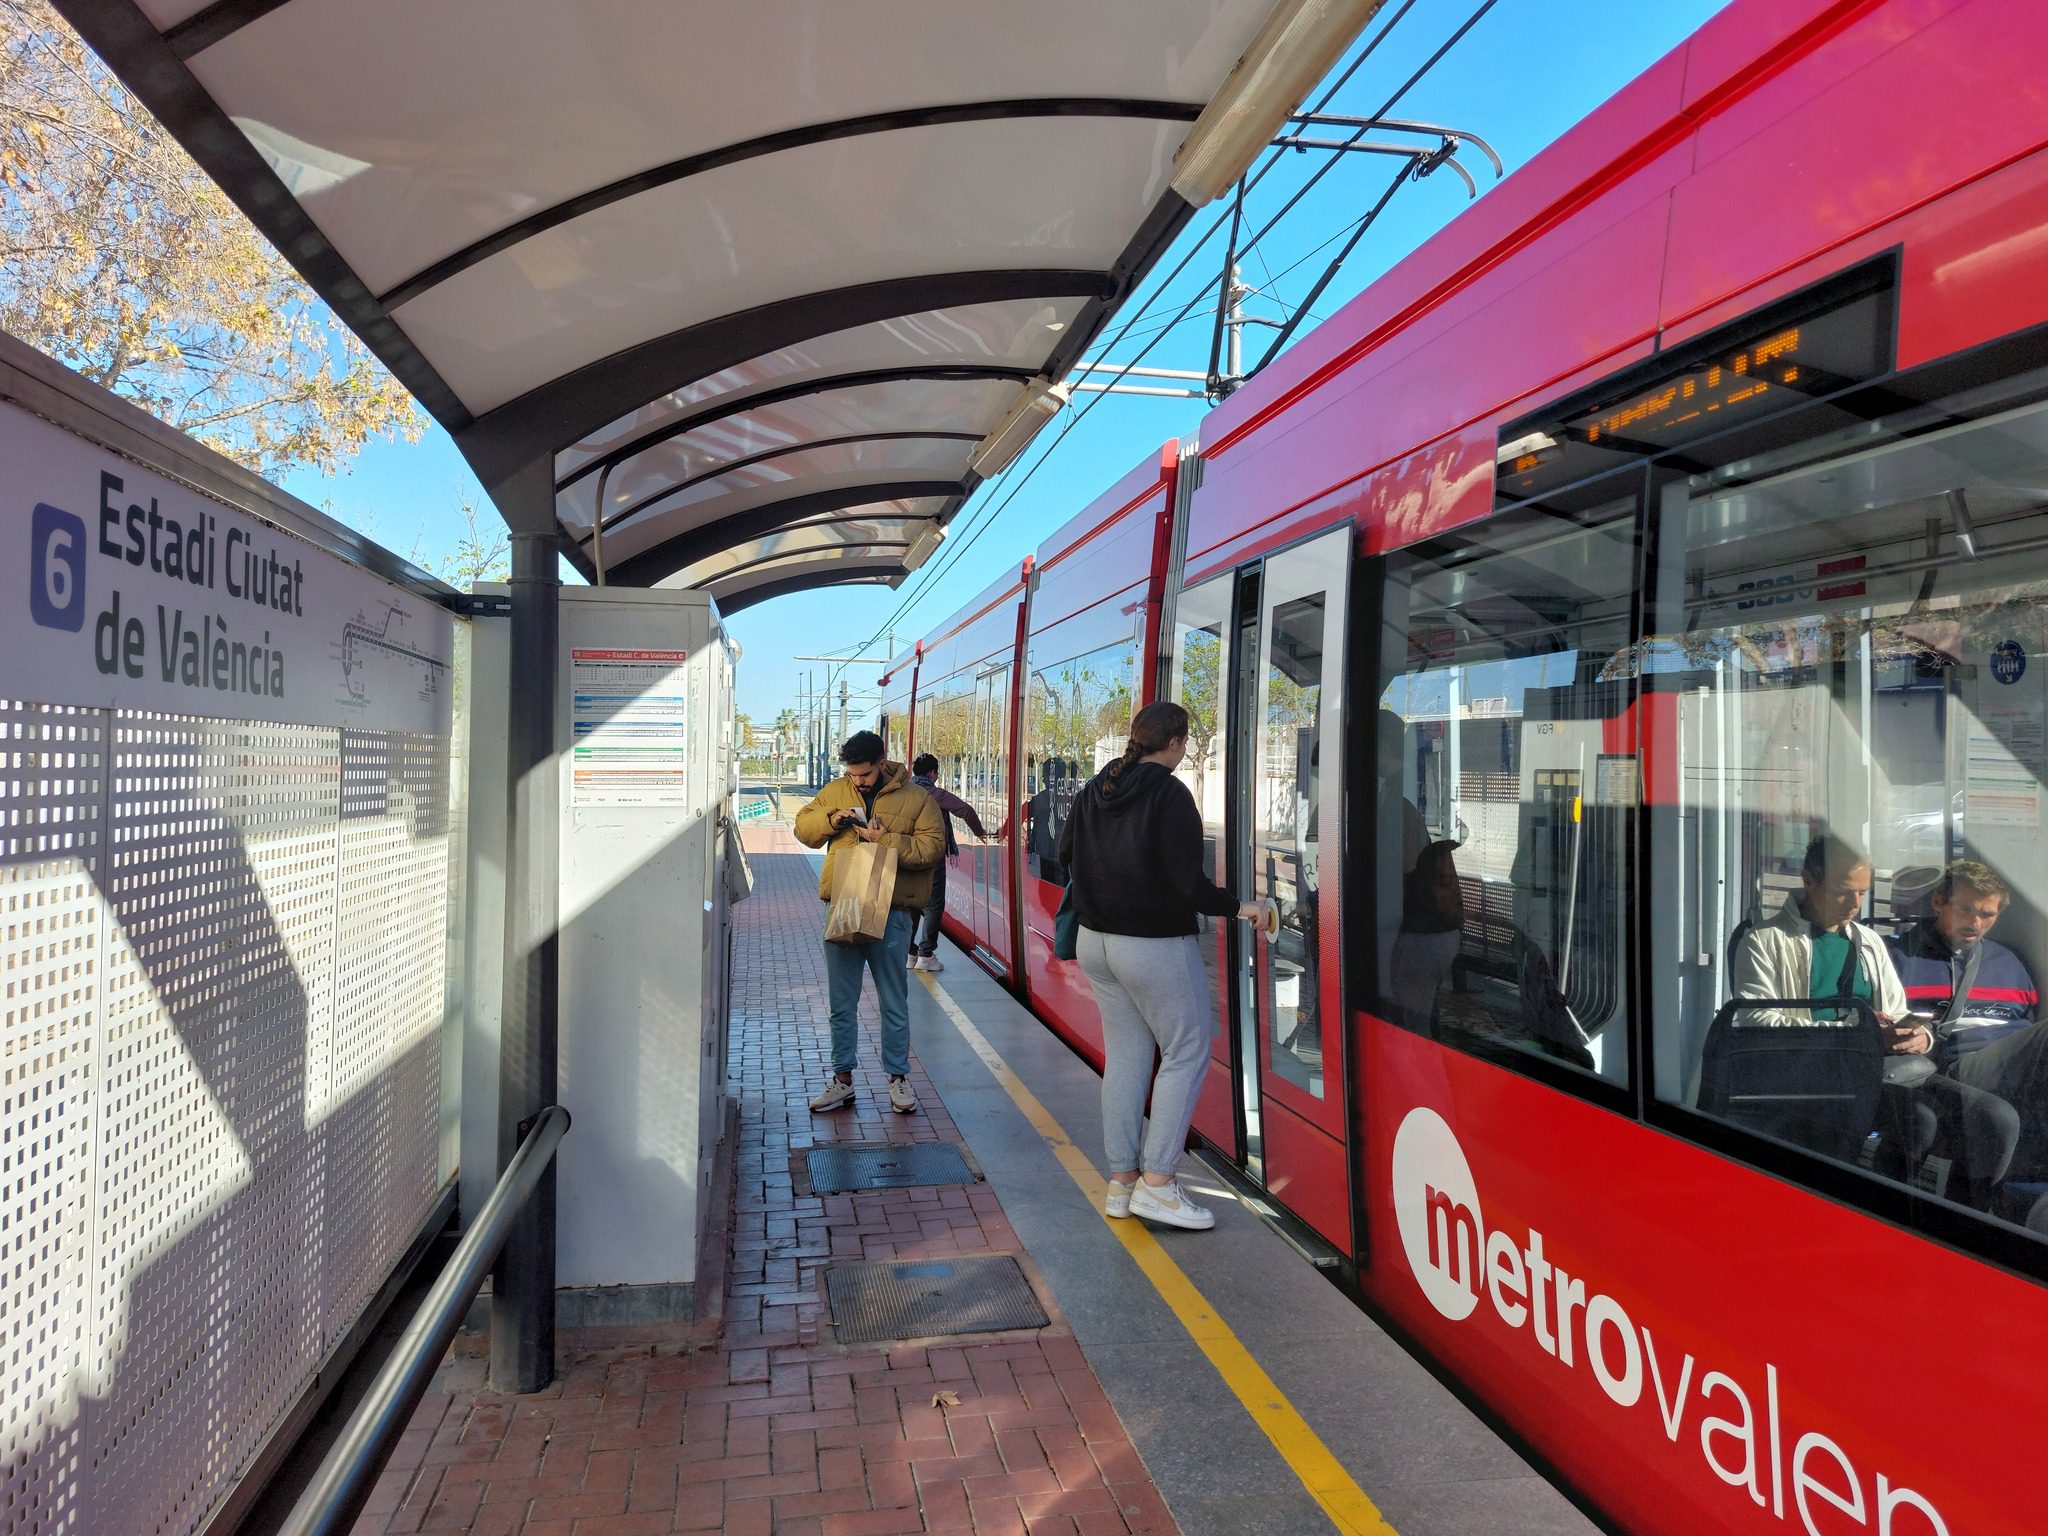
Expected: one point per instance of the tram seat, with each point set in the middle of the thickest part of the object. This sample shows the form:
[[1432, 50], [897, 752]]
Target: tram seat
[[2036, 1218], [1814, 1085]]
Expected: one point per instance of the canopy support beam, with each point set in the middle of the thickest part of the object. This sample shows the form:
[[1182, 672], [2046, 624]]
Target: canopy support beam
[[523, 1283]]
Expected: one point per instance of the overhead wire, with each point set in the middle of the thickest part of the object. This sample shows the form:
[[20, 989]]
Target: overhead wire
[[985, 520], [952, 556]]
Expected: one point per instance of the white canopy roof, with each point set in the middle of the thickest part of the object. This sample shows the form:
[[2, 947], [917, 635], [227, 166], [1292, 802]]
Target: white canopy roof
[[761, 289]]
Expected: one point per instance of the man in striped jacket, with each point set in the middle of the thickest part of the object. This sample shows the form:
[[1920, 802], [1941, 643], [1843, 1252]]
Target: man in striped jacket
[[1933, 957], [1978, 1036]]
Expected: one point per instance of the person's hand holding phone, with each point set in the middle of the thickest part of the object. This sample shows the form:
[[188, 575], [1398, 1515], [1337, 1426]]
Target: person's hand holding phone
[[1911, 1036]]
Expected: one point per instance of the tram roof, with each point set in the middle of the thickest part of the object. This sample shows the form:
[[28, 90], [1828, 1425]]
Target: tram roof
[[762, 290]]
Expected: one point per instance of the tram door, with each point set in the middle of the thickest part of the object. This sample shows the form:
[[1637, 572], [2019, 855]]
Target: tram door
[[1258, 664]]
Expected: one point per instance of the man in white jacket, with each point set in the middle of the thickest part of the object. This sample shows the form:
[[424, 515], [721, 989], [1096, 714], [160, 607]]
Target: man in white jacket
[[1815, 947]]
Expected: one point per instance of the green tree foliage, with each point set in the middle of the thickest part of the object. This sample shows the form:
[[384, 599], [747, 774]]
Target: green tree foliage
[[121, 259], [1201, 678]]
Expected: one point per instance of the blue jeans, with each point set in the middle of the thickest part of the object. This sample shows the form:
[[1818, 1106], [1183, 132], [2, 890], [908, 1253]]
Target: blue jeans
[[888, 957]]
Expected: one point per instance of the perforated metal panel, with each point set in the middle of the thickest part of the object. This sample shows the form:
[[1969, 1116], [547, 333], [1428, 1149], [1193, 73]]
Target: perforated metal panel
[[390, 972], [52, 843], [222, 980]]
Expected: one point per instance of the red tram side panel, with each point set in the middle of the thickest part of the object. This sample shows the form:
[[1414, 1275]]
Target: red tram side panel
[[1701, 1348], [1089, 664]]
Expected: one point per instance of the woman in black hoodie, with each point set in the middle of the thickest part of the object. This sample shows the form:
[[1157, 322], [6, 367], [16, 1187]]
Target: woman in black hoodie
[[1133, 850]]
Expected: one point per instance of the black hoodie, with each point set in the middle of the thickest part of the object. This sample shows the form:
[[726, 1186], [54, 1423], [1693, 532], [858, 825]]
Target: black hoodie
[[1134, 855]]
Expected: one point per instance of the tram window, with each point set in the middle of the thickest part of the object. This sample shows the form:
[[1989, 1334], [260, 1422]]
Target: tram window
[[1201, 673], [1200, 684], [1847, 680], [1077, 716], [945, 728], [1507, 782]]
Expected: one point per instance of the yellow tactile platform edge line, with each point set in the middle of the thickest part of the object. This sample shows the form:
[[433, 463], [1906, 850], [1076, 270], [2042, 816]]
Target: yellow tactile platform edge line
[[1321, 1473]]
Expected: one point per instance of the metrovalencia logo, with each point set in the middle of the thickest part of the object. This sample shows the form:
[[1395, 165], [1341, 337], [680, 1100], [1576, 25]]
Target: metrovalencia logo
[[1458, 1261]]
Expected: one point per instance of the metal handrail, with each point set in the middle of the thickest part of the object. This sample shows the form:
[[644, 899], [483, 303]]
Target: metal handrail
[[342, 1486]]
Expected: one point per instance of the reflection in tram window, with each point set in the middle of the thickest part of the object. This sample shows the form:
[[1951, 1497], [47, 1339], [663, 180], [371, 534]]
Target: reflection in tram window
[[1201, 672], [1508, 780], [1849, 648], [962, 720], [1077, 716]]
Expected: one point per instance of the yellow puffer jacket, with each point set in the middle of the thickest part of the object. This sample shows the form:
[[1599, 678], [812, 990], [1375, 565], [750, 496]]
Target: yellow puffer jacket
[[911, 819]]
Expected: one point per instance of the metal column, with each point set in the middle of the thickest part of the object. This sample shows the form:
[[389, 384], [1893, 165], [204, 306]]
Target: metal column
[[523, 1283]]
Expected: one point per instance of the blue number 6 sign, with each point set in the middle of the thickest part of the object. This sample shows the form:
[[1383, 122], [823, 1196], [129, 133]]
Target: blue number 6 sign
[[56, 594]]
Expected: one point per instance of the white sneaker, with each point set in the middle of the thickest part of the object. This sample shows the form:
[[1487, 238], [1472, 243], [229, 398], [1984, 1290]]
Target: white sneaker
[[1169, 1205], [912, 960], [931, 963], [1116, 1200], [836, 1094], [901, 1099]]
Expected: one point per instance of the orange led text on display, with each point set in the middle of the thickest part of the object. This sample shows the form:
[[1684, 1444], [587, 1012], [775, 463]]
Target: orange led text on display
[[1745, 376]]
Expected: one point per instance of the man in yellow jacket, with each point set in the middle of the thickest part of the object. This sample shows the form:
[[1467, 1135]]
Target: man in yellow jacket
[[876, 802]]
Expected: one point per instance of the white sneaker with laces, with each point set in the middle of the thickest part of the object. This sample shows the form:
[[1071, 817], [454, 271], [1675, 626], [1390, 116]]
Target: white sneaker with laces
[[836, 1094], [1116, 1200], [931, 963], [1169, 1205], [901, 1099]]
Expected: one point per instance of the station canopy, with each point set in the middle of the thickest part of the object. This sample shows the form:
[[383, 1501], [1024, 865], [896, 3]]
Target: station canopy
[[758, 290]]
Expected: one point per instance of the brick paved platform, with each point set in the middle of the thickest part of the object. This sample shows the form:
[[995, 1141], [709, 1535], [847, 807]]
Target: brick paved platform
[[776, 1430]]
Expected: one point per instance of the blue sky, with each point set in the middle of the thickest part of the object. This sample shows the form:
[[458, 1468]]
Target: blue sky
[[1522, 76]]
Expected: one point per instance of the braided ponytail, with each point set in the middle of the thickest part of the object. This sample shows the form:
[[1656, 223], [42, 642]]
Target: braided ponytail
[[1153, 729]]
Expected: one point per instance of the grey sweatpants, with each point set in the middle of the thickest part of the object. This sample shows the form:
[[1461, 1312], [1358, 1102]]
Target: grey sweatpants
[[1149, 991]]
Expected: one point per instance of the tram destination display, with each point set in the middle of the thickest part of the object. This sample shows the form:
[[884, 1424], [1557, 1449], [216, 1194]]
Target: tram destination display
[[1784, 356]]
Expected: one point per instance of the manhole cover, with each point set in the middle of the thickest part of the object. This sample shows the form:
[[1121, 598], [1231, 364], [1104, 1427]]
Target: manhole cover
[[836, 1169], [930, 1298]]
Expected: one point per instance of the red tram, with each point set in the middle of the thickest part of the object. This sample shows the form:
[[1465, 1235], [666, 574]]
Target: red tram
[[1684, 501]]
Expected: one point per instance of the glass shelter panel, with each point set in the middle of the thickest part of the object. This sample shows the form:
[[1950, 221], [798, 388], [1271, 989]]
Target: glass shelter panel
[[1508, 779], [1846, 650]]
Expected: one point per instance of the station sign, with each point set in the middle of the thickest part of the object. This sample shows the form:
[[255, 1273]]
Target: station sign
[[142, 593]]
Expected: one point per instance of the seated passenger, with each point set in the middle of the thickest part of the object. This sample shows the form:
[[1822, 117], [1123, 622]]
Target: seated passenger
[[1816, 948], [1939, 953], [1981, 1002]]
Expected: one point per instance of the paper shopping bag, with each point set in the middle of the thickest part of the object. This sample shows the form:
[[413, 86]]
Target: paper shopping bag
[[861, 889]]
